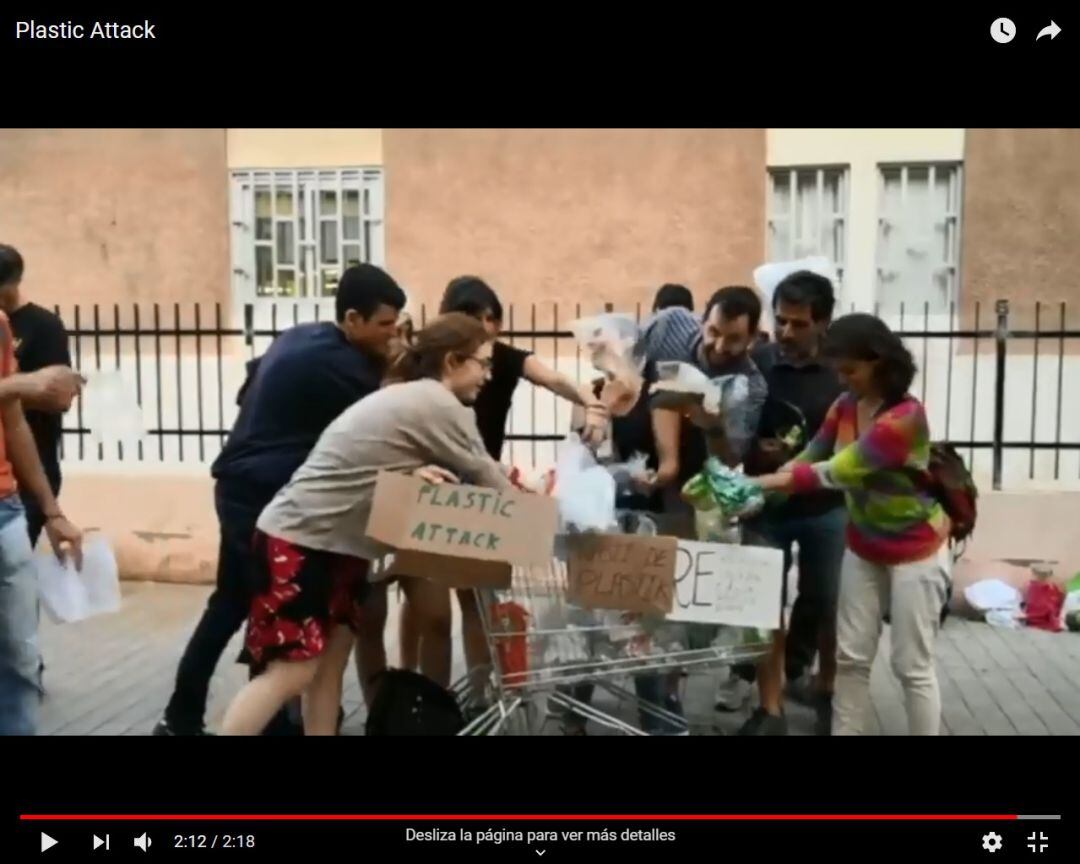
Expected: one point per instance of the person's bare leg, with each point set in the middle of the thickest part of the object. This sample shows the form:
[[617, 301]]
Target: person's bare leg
[[370, 646], [431, 612], [771, 677], [474, 642], [322, 699], [262, 697], [408, 638]]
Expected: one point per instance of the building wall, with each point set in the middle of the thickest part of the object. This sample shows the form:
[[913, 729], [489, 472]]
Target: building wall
[[1022, 223], [117, 215], [862, 150], [574, 216], [304, 148]]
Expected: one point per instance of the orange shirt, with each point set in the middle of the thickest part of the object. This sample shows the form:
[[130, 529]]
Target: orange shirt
[[8, 366]]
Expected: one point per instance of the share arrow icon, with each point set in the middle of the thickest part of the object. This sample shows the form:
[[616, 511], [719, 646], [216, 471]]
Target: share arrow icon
[[1050, 30]]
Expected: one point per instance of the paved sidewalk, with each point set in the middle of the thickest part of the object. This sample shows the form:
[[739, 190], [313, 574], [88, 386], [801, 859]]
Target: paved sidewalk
[[112, 676]]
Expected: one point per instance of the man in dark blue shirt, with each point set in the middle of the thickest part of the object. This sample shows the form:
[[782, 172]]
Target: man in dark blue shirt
[[310, 375]]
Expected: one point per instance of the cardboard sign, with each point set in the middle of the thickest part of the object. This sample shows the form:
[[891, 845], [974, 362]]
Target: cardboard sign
[[448, 570], [719, 583], [622, 571], [462, 521]]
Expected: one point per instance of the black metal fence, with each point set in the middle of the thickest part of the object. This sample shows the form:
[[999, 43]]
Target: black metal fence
[[189, 350]]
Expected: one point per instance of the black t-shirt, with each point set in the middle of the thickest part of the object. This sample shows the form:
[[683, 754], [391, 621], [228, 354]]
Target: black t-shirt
[[800, 395], [41, 341], [632, 434], [310, 375], [493, 404]]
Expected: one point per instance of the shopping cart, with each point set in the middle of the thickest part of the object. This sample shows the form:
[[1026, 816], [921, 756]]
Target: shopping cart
[[546, 652]]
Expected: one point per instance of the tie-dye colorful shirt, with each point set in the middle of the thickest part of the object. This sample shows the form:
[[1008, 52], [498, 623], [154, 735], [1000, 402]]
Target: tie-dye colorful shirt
[[892, 520]]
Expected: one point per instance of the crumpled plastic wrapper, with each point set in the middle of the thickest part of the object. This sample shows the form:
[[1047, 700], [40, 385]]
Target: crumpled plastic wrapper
[[585, 490], [718, 486], [609, 340]]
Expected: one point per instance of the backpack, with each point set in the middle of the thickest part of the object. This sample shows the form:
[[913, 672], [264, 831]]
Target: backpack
[[407, 703], [953, 487]]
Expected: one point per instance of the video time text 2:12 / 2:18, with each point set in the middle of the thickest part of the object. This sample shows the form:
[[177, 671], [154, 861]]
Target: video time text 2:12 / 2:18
[[214, 841]]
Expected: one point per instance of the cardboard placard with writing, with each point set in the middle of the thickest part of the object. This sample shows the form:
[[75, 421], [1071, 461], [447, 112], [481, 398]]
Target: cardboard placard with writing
[[462, 521], [627, 572], [721, 583]]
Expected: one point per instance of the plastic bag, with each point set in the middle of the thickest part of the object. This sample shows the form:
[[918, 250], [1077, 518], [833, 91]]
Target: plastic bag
[[988, 594], [768, 276], [625, 472], [726, 397], [69, 595], [1043, 606], [585, 491], [609, 340], [680, 385], [718, 486]]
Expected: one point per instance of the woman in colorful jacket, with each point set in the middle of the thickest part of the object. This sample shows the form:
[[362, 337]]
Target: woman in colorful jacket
[[875, 446]]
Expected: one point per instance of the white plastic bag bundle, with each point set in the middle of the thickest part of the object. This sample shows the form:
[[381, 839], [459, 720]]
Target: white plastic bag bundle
[[614, 331], [69, 595], [586, 491], [680, 385], [609, 341], [989, 594]]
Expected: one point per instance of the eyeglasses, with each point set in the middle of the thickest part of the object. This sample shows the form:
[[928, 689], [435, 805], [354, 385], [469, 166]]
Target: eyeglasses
[[485, 362]]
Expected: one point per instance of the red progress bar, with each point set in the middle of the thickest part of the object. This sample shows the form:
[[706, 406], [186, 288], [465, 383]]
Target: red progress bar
[[518, 817]]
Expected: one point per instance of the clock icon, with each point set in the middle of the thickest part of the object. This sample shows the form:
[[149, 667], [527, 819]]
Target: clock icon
[[1003, 30]]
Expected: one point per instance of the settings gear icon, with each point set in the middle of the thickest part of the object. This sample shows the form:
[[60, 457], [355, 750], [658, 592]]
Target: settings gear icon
[[992, 842]]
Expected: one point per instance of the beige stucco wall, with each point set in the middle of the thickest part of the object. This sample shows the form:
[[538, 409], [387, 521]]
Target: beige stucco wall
[[574, 216], [117, 215], [1022, 222], [304, 148], [161, 525]]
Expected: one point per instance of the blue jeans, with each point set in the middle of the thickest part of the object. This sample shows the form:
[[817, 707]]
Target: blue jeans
[[20, 657], [821, 540]]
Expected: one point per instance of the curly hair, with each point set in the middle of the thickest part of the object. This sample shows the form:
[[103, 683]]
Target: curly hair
[[866, 337]]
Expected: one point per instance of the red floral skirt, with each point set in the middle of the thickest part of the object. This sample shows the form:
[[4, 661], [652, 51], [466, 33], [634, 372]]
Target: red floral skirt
[[302, 594]]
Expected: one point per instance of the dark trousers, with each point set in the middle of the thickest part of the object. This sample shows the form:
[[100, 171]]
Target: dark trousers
[[821, 542], [226, 612]]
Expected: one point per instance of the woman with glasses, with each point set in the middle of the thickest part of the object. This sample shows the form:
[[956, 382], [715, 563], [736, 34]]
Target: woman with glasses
[[426, 617], [312, 555]]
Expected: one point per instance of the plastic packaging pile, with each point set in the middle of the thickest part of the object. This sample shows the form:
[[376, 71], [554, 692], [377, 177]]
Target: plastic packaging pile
[[609, 340], [719, 487]]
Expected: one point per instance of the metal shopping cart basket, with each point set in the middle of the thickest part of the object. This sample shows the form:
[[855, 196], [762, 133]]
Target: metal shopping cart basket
[[544, 648]]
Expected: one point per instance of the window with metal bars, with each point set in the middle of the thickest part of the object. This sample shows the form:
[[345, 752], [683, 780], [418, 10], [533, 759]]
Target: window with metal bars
[[918, 243], [295, 231], [808, 214]]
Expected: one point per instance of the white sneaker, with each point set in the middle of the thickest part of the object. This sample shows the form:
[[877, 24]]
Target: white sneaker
[[733, 694]]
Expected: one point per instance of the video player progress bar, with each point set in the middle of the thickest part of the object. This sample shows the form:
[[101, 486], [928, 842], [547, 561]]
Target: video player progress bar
[[534, 817]]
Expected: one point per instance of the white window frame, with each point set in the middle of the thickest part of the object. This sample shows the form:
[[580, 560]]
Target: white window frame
[[948, 221], [311, 272], [825, 232]]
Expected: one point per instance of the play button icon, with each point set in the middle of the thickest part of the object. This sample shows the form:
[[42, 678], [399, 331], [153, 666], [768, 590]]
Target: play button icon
[[47, 842]]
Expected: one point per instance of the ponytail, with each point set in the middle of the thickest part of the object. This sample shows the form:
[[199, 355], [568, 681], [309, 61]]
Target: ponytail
[[424, 357]]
